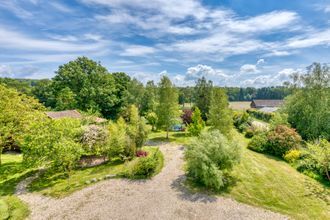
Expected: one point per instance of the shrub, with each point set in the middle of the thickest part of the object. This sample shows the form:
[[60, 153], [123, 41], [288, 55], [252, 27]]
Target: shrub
[[249, 133], [282, 139], [152, 119], [292, 156], [320, 154], [197, 124], [95, 139], [210, 158], [258, 143], [143, 167], [141, 153], [241, 120], [187, 116]]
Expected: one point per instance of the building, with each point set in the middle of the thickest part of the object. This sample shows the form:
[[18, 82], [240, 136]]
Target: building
[[64, 114], [262, 103]]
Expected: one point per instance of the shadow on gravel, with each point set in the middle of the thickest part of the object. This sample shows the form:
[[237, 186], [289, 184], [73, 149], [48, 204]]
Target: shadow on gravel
[[185, 194]]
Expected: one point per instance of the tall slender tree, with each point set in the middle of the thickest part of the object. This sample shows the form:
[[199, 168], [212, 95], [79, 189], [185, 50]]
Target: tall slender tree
[[168, 110], [203, 92], [219, 115]]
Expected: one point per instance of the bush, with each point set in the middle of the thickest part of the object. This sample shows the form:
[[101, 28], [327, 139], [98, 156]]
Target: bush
[[95, 139], [144, 167], [210, 158], [187, 116], [258, 143], [197, 124], [292, 156], [141, 153], [241, 120], [282, 139], [249, 133]]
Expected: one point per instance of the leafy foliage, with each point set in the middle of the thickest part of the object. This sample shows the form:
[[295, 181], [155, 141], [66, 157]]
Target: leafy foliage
[[277, 141], [197, 124], [17, 112], [264, 116], [203, 94], [168, 110], [210, 158], [95, 140], [220, 116], [241, 120], [308, 108], [144, 167], [187, 116], [54, 143]]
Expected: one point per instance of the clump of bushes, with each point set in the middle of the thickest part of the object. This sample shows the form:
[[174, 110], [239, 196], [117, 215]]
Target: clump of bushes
[[241, 120], [141, 153], [144, 167], [210, 158], [187, 116], [264, 116], [292, 155], [277, 141], [315, 160]]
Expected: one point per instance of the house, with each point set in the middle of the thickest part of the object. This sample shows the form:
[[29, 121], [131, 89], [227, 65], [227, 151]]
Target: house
[[266, 103], [74, 114], [64, 114]]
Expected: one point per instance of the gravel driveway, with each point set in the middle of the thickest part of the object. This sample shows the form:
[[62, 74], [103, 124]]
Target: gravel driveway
[[162, 197]]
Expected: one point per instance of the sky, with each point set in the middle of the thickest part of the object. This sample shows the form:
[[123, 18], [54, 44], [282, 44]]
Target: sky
[[231, 42]]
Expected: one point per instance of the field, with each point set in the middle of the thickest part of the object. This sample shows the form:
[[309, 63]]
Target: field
[[239, 105]]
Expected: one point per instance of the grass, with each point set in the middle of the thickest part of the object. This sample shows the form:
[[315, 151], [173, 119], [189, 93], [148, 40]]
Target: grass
[[269, 182], [12, 208], [59, 185], [12, 171], [180, 137]]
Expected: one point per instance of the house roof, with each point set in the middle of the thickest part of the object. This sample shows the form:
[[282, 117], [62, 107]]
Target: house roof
[[267, 102], [64, 114]]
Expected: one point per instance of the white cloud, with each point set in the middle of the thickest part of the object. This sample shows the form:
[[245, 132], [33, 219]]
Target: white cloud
[[314, 38], [260, 61], [249, 68], [5, 70], [196, 72], [277, 53], [138, 50], [16, 40], [61, 7]]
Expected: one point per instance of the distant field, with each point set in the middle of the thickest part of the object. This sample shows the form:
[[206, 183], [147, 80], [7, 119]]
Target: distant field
[[240, 105]]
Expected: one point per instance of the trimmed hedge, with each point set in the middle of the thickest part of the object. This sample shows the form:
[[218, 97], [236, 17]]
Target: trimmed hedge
[[264, 116]]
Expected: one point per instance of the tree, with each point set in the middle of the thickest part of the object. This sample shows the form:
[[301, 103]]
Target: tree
[[197, 124], [91, 84], [308, 108], [210, 158], [220, 116], [152, 119], [55, 143], [65, 99], [136, 92], [203, 94], [168, 110], [122, 81], [149, 100], [17, 112]]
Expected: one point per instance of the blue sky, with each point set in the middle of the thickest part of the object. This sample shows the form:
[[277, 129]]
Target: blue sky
[[232, 42]]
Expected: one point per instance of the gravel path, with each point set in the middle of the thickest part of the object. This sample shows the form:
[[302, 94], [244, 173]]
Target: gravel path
[[162, 197]]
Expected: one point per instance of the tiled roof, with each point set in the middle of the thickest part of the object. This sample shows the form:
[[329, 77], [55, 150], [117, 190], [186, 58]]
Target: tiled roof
[[64, 114], [259, 103]]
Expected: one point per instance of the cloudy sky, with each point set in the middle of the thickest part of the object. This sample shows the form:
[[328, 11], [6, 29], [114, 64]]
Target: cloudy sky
[[232, 42]]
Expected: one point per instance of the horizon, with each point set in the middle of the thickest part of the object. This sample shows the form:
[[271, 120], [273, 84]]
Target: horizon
[[233, 43]]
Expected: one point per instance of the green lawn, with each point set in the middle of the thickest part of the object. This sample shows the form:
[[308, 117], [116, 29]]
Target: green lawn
[[59, 185], [12, 208], [269, 182], [11, 172], [174, 137]]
